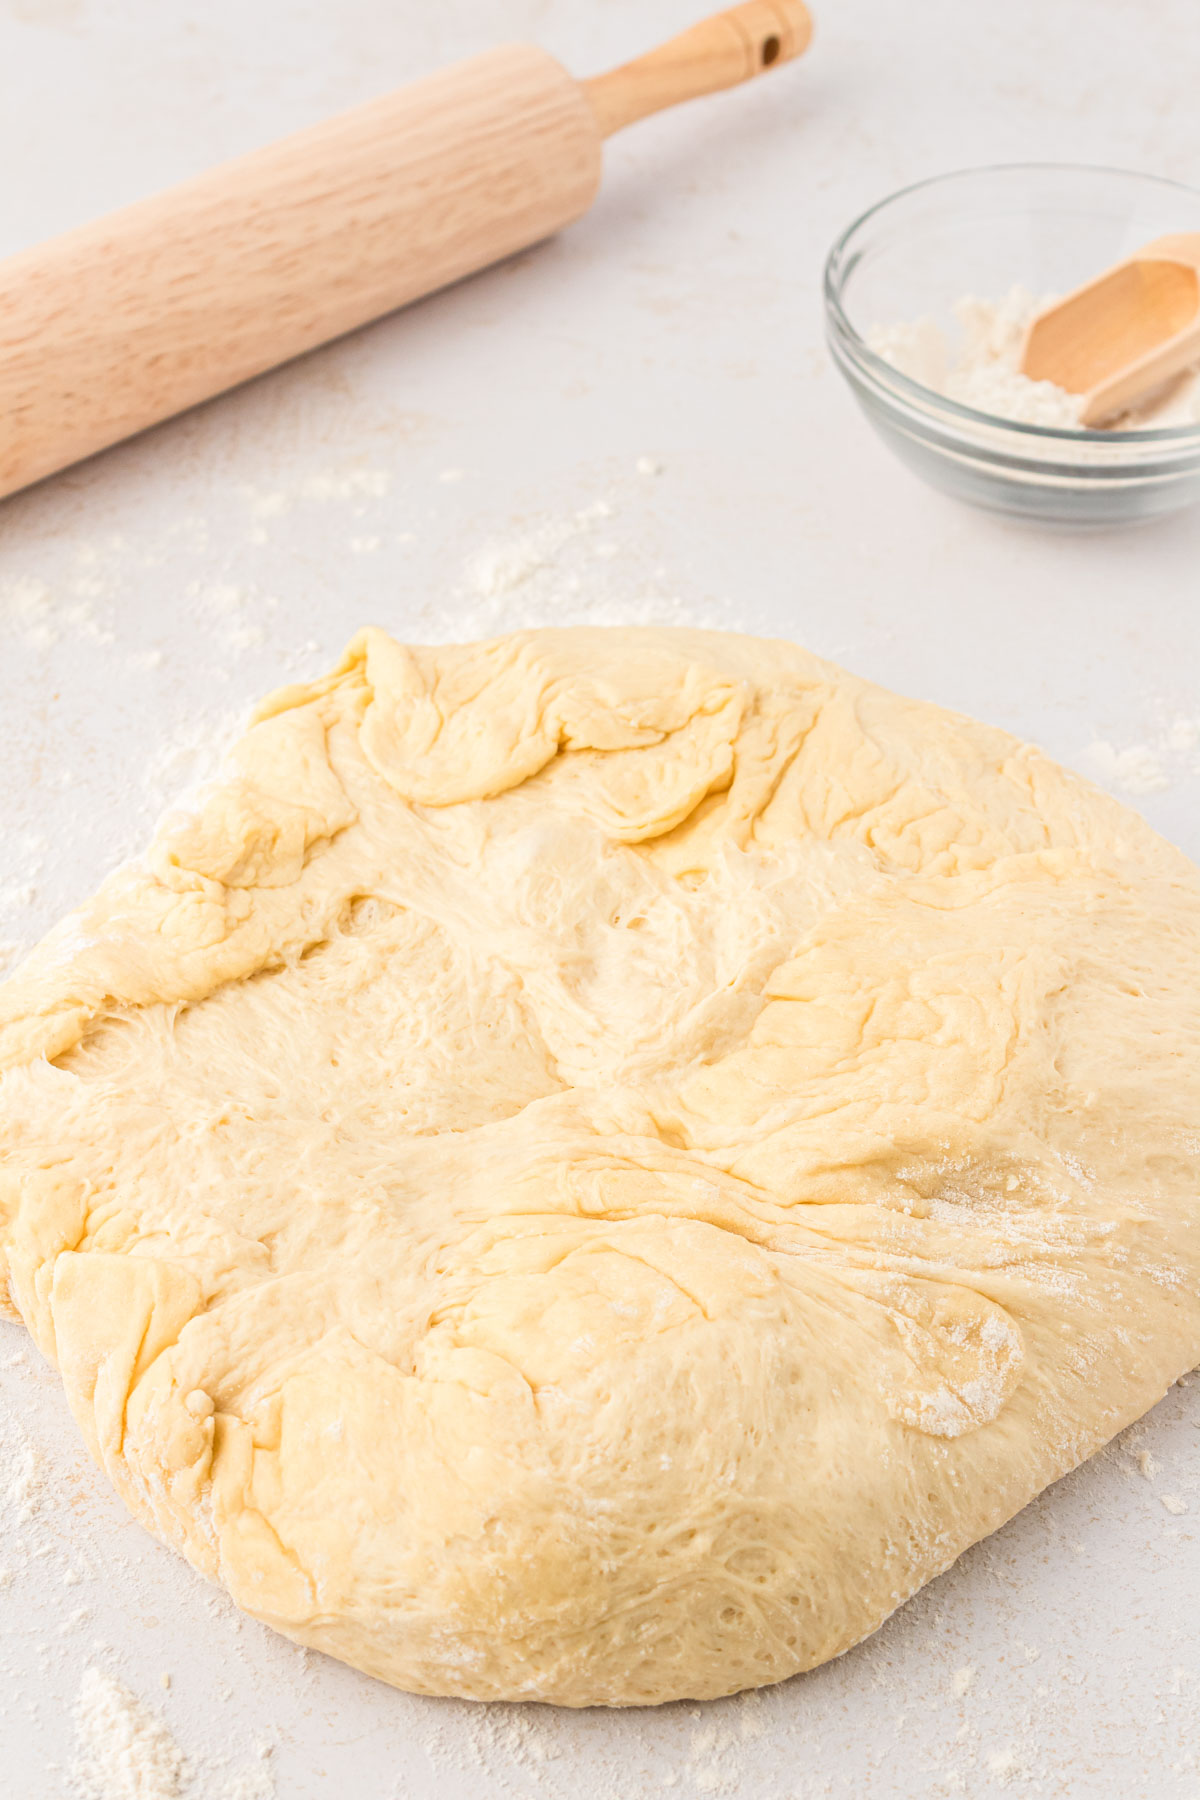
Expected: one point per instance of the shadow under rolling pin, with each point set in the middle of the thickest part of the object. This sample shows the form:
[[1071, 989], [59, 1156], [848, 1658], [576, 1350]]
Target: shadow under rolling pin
[[120, 324]]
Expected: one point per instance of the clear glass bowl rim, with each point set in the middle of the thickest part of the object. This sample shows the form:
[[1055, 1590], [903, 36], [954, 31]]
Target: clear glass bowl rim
[[858, 348]]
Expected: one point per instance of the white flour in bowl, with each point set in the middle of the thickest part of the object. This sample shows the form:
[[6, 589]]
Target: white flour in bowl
[[984, 371]]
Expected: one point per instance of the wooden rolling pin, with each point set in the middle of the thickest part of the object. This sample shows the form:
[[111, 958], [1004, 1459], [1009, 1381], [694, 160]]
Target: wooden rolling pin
[[124, 322]]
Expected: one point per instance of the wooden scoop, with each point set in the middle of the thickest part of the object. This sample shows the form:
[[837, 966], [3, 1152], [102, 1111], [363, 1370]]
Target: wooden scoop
[[119, 324], [1125, 334]]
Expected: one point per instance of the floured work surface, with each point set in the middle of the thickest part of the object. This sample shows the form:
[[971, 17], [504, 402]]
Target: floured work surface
[[594, 1164]]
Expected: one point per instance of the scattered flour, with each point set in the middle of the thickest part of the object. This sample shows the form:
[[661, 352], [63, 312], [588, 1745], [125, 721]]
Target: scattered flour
[[1138, 769], [1183, 735], [25, 859], [29, 606], [33, 614], [714, 1757], [125, 1751], [1174, 1504], [352, 483], [191, 756], [255, 1783], [220, 597], [245, 637], [26, 1476], [500, 567], [962, 1680], [563, 571], [347, 484], [984, 371], [13, 897], [530, 1750], [228, 606], [1148, 768]]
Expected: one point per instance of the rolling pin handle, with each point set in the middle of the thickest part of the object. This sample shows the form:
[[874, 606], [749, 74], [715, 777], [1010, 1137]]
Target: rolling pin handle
[[720, 52]]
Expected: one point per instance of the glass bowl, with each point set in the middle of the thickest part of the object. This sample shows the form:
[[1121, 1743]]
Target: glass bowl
[[1046, 227]]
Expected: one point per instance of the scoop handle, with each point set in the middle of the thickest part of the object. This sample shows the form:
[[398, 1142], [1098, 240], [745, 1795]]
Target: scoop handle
[[1141, 378], [719, 52]]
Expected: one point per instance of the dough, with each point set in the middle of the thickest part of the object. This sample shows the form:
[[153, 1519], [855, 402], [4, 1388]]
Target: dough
[[591, 1165]]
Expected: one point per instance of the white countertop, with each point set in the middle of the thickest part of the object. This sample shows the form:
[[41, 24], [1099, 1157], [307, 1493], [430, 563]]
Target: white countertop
[[147, 598]]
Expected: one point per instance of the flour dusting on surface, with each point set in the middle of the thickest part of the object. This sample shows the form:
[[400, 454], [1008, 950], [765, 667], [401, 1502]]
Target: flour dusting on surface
[[25, 856], [255, 1783], [125, 1751], [39, 617], [347, 482], [26, 1477], [1136, 770], [572, 570], [191, 756], [500, 567], [1163, 757]]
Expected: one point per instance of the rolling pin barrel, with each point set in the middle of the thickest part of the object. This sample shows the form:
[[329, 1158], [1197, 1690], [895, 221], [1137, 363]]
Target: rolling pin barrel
[[119, 324]]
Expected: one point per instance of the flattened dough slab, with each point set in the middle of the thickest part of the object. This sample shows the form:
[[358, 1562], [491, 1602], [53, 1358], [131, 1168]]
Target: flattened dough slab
[[590, 1166]]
